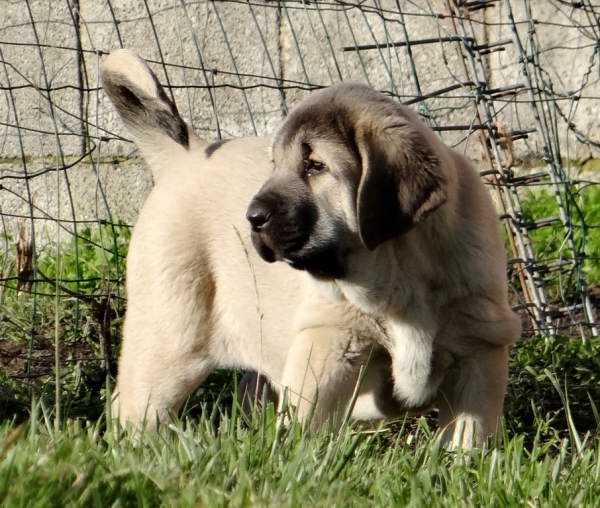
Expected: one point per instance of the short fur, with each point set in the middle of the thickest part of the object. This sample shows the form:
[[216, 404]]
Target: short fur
[[395, 257]]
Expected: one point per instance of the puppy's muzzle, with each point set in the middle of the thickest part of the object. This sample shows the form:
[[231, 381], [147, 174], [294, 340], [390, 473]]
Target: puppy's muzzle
[[283, 230], [281, 225]]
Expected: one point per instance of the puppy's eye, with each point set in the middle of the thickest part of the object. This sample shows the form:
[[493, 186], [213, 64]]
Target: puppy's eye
[[313, 168]]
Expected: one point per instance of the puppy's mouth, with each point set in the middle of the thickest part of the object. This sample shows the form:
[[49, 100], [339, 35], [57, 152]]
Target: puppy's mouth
[[271, 249], [325, 264], [322, 262], [264, 251]]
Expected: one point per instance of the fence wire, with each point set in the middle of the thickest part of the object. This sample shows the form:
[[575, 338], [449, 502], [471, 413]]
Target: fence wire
[[514, 84]]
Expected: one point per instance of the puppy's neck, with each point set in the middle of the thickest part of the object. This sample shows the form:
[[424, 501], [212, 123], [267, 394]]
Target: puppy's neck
[[382, 282]]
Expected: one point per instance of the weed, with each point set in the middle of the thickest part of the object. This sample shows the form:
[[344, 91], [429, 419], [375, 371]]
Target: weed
[[550, 241], [87, 275], [533, 405]]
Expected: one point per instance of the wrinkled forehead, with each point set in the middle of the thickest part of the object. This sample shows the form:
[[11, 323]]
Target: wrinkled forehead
[[314, 124]]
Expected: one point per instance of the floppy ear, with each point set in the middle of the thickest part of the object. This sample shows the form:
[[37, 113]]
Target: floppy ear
[[401, 181]]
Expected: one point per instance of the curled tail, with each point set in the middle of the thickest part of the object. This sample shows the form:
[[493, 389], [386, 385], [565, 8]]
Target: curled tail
[[149, 115]]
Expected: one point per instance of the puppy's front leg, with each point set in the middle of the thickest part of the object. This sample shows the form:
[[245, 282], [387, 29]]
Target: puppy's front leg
[[471, 396], [322, 369]]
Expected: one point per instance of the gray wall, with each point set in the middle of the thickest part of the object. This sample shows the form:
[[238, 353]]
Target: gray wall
[[258, 59]]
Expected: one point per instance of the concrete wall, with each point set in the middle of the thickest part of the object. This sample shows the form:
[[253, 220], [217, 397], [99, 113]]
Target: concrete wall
[[234, 69]]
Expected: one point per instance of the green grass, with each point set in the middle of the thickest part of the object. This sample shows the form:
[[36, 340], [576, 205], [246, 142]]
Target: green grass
[[215, 457], [232, 463], [537, 366]]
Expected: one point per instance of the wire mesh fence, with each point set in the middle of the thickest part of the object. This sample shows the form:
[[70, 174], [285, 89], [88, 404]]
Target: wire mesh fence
[[514, 84]]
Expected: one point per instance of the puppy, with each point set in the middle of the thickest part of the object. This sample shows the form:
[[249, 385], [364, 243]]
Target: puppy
[[386, 219], [199, 296], [394, 257]]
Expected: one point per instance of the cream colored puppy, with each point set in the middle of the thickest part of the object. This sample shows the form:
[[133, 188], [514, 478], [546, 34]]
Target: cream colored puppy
[[393, 249], [199, 297]]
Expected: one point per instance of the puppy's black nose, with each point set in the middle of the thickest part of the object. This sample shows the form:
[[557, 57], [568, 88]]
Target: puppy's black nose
[[258, 215]]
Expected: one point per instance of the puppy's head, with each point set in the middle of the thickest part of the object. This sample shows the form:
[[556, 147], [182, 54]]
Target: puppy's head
[[353, 169]]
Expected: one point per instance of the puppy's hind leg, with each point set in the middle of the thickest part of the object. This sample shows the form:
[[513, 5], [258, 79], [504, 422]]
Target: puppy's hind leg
[[254, 389], [156, 374], [168, 325]]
